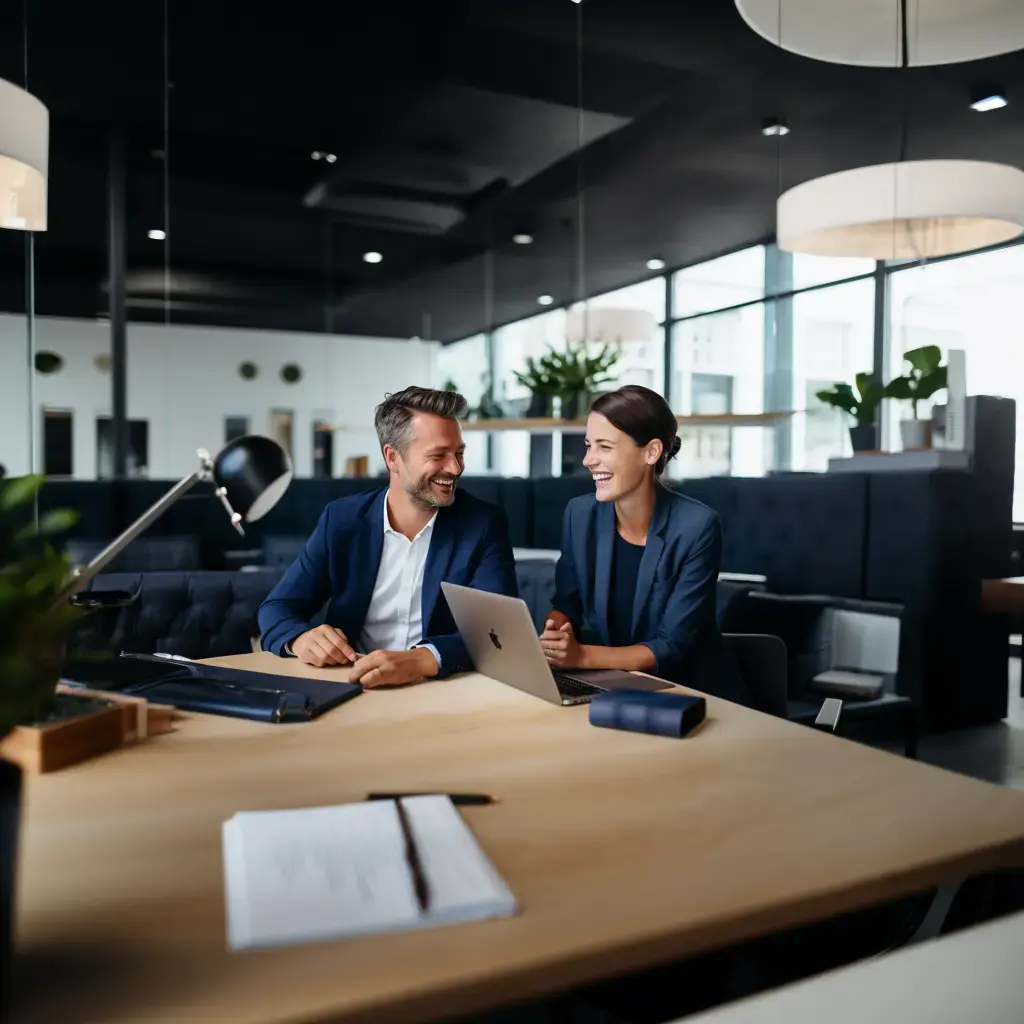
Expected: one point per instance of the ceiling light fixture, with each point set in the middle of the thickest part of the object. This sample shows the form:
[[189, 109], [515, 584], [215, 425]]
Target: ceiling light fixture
[[157, 234], [372, 257], [317, 155], [984, 100], [655, 264], [545, 300], [773, 126], [862, 32], [24, 159], [523, 239], [330, 158]]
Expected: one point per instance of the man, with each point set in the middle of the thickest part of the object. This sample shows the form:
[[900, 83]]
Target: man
[[377, 559]]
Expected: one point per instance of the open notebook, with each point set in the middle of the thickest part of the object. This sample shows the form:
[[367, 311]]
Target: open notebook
[[332, 872]]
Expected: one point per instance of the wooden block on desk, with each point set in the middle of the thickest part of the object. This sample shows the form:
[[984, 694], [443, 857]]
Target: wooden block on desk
[[39, 749]]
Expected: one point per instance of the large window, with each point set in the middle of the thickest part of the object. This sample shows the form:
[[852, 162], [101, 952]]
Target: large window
[[973, 303], [728, 281], [833, 340], [718, 368]]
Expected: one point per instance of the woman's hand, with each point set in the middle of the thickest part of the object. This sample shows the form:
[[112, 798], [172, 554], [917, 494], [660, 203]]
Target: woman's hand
[[560, 645]]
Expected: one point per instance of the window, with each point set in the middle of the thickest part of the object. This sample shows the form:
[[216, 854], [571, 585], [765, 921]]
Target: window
[[809, 271], [235, 426], [323, 449], [833, 340], [641, 360], [972, 303], [58, 442], [138, 448], [718, 284], [718, 365], [464, 364]]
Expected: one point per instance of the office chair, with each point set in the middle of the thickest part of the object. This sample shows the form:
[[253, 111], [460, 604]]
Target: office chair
[[763, 665]]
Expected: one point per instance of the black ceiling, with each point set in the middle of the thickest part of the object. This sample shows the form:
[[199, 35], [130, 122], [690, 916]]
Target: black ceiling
[[454, 125]]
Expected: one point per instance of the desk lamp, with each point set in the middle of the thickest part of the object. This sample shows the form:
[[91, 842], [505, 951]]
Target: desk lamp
[[251, 474]]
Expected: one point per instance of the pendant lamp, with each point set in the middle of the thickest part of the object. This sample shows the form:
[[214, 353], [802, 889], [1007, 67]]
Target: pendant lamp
[[867, 32], [24, 159]]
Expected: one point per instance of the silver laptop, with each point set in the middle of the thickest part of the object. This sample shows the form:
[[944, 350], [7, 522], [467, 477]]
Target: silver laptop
[[502, 641]]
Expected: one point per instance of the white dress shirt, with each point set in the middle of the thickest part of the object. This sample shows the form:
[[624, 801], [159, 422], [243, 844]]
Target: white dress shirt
[[394, 620]]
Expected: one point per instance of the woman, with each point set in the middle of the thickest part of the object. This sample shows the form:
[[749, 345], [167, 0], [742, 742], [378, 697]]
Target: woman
[[636, 584]]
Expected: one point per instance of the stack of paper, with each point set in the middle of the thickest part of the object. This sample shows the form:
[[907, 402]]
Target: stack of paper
[[332, 872]]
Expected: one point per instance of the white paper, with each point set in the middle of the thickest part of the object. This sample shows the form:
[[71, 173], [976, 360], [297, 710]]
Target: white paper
[[332, 872]]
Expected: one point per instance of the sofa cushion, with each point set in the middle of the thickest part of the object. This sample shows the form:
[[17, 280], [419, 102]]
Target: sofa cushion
[[198, 615], [144, 555]]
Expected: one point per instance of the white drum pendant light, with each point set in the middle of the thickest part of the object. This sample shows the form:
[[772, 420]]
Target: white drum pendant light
[[609, 326], [24, 159], [912, 210], [867, 32]]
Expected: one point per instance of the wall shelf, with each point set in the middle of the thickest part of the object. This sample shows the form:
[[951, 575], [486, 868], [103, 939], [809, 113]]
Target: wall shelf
[[548, 426]]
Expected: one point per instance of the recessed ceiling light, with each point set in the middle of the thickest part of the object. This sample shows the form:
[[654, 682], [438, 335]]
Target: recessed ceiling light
[[372, 257], [988, 100], [523, 239], [655, 264], [157, 234], [317, 155], [330, 158], [773, 126], [545, 300]]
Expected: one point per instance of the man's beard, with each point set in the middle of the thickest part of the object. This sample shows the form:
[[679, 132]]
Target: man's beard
[[424, 495]]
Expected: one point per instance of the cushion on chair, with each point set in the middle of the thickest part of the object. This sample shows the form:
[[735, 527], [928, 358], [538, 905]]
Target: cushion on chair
[[144, 555]]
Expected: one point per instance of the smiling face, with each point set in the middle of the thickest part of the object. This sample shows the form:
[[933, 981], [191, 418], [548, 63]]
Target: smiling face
[[618, 464], [429, 468]]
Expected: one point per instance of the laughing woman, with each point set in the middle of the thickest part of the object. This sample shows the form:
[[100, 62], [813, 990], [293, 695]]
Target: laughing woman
[[636, 584]]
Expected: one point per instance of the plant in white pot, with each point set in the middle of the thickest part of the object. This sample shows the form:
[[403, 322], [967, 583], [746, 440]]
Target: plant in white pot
[[861, 404], [33, 631], [924, 378]]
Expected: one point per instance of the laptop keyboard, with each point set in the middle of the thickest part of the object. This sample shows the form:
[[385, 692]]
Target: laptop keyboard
[[574, 688]]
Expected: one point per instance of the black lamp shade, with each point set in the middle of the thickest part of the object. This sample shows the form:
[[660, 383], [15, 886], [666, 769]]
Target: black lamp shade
[[254, 472]]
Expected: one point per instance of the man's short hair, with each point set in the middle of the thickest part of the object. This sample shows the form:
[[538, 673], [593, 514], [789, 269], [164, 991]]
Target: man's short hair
[[393, 417]]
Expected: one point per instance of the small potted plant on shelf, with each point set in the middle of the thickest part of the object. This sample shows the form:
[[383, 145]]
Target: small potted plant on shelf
[[541, 377], [33, 630], [860, 401], [925, 377]]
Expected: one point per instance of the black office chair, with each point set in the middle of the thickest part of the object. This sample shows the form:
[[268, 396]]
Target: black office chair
[[763, 665]]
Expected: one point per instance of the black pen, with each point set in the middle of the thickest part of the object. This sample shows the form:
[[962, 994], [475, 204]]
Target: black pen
[[412, 856], [459, 799]]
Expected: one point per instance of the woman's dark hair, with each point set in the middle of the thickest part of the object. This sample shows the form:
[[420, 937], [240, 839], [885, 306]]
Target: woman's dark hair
[[645, 416]]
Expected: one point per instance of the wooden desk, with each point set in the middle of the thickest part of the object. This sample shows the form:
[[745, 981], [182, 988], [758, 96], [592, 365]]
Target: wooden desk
[[625, 851], [1004, 596]]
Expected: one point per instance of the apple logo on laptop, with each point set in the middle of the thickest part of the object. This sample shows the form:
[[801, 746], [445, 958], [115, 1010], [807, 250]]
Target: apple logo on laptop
[[495, 640]]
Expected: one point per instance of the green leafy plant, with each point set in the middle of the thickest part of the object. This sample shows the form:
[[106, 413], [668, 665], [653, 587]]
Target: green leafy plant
[[862, 403], [33, 628], [925, 376], [573, 375]]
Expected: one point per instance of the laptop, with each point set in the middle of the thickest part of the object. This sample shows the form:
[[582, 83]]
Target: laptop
[[502, 641]]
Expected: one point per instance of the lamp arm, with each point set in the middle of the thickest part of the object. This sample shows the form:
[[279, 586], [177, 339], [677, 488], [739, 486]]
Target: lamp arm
[[81, 575]]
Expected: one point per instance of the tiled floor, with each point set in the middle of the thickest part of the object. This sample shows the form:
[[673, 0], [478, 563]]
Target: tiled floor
[[992, 752]]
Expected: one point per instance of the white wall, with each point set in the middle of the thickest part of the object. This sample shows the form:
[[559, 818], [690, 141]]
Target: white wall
[[185, 381]]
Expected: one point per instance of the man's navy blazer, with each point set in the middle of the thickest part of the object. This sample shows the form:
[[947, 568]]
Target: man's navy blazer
[[469, 545], [674, 607]]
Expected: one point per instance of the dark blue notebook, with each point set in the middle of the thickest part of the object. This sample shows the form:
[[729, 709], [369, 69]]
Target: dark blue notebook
[[661, 714]]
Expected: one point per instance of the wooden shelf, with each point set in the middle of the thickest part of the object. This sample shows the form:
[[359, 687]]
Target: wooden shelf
[[548, 426]]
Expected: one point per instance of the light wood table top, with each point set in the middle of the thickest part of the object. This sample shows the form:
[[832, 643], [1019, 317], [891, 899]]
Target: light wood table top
[[624, 851]]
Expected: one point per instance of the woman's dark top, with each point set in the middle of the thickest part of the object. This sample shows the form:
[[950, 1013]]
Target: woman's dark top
[[625, 569]]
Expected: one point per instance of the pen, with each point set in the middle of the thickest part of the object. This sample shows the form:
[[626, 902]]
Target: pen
[[412, 856], [459, 799]]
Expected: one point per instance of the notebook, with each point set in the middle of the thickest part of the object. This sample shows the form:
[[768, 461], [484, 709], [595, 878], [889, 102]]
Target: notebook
[[321, 873]]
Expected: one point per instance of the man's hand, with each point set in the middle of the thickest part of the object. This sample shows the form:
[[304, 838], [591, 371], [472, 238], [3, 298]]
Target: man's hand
[[560, 645], [323, 646], [392, 668]]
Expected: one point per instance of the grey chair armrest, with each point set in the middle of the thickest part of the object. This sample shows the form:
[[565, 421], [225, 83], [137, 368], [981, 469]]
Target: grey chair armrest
[[850, 604]]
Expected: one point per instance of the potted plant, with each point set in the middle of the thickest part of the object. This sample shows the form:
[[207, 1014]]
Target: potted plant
[[32, 635], [925, 377], [541, 377], [862, 404]]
